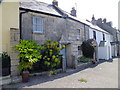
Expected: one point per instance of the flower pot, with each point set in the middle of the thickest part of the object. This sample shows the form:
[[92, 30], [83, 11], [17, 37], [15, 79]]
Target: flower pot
[[94, 61], [25, 76]]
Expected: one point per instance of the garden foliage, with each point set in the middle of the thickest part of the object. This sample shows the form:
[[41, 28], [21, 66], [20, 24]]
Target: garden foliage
[[87, 49], [30, 53]]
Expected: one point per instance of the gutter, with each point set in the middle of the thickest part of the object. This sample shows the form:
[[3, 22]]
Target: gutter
[[40, 12]]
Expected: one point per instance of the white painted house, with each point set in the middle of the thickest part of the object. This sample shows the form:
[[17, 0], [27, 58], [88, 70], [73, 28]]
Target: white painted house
[[103, 40]]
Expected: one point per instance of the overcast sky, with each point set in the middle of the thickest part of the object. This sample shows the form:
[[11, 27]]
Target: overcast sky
[[86, 8]]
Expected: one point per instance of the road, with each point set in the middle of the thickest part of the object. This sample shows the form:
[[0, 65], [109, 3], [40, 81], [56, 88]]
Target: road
[[103, 75]]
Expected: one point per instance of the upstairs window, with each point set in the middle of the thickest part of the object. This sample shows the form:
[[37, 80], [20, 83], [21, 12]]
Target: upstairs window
[[37, 24], [78, 34], [103, 37], [94, 35]]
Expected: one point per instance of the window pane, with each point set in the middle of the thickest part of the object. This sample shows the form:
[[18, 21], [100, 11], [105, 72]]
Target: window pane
[[38, 21], [34, 27], [39, 28], [34, 20]]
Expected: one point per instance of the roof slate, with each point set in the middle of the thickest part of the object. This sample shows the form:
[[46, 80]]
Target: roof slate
[[38, 6]]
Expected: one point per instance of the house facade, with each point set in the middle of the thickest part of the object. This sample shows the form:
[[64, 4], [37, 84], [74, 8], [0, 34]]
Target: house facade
[[9, 17], [107, 26], [9, 36], [103, 40], [43, 22]]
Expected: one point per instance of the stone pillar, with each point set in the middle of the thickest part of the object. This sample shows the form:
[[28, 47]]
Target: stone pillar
[[64, 65], [14, 40], [96, 54], [75, 62]]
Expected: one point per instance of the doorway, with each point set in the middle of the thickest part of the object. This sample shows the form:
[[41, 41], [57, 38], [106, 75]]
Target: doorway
[[67, 55]]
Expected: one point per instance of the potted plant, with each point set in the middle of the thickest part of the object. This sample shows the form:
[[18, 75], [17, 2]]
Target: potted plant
[[5, 58], [29, 53]]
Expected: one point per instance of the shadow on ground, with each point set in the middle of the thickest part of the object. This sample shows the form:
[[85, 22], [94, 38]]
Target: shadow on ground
[[35, 80]]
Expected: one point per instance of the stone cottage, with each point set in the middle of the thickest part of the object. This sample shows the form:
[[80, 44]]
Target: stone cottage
[[107, 26], [41, 22], [103, 39]]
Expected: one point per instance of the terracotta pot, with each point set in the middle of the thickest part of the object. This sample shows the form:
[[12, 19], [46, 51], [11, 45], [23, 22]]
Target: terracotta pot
[[25, 76], [94, 61]]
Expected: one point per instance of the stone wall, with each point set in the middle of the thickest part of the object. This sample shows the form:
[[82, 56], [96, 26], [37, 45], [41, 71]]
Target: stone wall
[[54, 28], [14, 40]]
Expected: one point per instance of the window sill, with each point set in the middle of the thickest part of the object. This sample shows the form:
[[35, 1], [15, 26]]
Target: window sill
[[38, 32]]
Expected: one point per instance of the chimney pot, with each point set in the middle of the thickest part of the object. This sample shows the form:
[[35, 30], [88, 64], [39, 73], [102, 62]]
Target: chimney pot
[[55, 2], [104, 20], [73, 12]]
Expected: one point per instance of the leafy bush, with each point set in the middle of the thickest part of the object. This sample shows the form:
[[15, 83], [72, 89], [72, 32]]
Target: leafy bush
[[29, 53], [50, 55], [87, 49], [84, 59], [5, 58]]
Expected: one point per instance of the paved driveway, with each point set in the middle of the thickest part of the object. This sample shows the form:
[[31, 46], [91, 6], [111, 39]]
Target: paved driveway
[[103, 75]]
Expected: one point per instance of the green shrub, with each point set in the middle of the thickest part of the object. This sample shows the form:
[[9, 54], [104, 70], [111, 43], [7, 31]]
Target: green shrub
[[84, 59], [50, 55], [87, 49], [29, 53]]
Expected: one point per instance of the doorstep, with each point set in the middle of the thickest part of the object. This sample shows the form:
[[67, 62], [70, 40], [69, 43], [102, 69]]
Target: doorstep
[[10, 79], [5, 80]]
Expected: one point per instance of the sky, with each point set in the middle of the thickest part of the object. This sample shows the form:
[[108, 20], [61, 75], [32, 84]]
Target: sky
[[86, 8]]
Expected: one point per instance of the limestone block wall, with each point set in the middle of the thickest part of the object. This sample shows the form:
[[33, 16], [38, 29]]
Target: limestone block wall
[[14, 40], [54, 28]]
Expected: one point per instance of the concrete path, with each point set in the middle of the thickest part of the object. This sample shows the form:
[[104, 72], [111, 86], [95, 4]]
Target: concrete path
[[103, 75]]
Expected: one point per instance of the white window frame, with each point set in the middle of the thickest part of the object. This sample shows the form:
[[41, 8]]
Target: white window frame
[[38, 24]]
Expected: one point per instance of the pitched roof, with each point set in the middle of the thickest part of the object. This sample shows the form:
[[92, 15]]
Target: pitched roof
[[96, 27], [38, 6]]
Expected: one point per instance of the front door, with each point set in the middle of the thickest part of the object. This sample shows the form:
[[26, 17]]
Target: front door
[[66, 52]]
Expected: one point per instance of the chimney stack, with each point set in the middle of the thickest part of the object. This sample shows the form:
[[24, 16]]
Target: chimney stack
[[55, 2], [73, 12], [93, 18], [104, 20]]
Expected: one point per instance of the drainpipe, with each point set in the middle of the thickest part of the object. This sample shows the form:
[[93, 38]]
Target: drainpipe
[[20, 26], [117, 33], [84, 33]]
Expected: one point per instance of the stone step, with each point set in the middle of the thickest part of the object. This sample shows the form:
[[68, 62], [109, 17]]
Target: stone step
[[5, 80]]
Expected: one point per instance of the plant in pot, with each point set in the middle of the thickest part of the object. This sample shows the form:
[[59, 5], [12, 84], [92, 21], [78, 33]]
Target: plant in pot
[[29, 53], [5, 58]]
